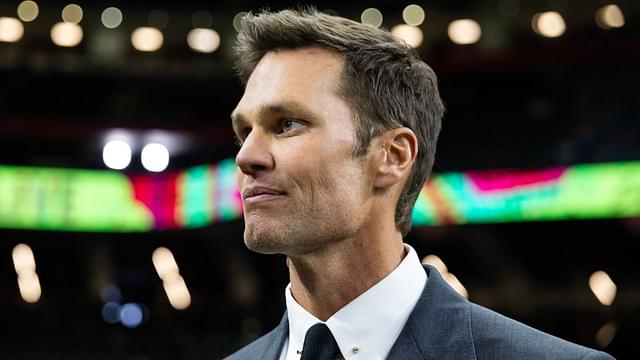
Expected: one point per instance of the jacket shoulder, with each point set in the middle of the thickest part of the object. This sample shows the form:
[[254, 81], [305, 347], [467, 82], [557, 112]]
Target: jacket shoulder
[[496, 336], [252, 350], [268, 346]]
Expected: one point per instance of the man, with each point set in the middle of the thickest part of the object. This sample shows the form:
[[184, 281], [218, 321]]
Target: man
[[337, 130]]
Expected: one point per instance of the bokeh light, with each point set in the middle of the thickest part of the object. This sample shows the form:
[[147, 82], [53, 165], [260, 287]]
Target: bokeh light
[[111, 312], [116, 154], [237, 20], [165, 264], [29, 286], [453, 281], [147, 39], [177, 293], [72, 13], [155, 157], [66, 34], [412, 35], [548, 24], [610, 17], [606, 334], [203, 40], [131, 315], [371, 16], [28, 11], [111, 17], [603, 287], [413, 15], [11, 29], [464, 31], [436, 262], [23, 259]]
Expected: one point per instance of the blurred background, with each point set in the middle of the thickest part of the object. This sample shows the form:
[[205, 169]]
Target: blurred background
[[121, 231]]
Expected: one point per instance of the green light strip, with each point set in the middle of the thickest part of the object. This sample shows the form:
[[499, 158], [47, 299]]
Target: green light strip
[[108, 201]]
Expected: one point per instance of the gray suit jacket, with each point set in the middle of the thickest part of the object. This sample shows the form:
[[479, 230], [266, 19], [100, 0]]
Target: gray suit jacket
[[444, 325]]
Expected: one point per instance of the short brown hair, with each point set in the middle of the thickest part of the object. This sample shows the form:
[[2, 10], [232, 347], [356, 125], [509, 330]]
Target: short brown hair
[[384, 81]]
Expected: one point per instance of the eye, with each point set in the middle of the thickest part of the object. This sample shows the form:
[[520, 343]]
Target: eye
[[288, 125]]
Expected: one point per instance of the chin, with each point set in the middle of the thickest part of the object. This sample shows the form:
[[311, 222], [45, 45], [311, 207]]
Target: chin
[[264, 242]]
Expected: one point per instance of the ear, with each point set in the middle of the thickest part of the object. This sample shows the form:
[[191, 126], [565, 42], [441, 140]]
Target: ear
[[399, 148]]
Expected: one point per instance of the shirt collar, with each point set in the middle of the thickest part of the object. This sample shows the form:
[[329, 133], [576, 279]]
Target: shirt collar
[[368, 326]]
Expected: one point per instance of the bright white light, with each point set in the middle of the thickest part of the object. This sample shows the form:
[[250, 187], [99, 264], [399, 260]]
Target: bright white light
[[603, 287], [177, 293], [155, 157], [147, 39], [410, 34], [203, 40], [371, 16], [72, 13], [11, 29], [237, 20], [464, 31], [165, 264], [131, 315], [111, 312], [28, 11], [605, 335], [610, 16], [453, 281], [66, 34], [23, 260], [413, 15], [29, 286], [548, 24], [116, 154], [436, 262], [111, 17]]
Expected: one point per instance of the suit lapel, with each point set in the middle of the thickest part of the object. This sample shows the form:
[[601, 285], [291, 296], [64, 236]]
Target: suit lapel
[[439, 326]]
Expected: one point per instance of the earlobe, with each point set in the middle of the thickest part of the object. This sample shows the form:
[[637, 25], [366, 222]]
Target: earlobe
[[399, 151]]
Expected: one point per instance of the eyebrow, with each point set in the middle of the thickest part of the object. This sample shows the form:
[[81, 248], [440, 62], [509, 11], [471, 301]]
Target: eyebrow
[[278, 108]]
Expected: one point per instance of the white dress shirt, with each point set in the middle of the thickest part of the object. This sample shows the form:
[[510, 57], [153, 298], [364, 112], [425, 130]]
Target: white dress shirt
[[368, 326]]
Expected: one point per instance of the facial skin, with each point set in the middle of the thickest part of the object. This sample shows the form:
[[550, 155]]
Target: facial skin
[[297, 139], [304, 193]]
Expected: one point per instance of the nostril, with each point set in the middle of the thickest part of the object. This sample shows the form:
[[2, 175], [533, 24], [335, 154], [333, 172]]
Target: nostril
[[251, 168]]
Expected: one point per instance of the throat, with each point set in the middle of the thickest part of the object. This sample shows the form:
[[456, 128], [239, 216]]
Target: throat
[[323, 285]]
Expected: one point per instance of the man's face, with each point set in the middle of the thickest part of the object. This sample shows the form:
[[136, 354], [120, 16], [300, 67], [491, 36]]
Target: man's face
[[302, 187]]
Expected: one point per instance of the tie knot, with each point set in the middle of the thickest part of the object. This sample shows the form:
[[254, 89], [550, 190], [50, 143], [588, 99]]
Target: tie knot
[[319, 344]]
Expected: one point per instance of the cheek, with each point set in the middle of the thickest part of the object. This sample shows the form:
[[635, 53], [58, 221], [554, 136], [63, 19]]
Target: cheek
[[321, 171]]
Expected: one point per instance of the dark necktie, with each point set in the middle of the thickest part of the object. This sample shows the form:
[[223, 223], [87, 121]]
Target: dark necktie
[[319, 344]]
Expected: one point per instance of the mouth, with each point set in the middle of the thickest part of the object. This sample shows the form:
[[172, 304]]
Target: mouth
[[259, 194]]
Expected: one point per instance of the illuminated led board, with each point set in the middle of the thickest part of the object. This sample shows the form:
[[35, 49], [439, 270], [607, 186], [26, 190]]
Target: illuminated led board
[[109, 201], [578, 192]]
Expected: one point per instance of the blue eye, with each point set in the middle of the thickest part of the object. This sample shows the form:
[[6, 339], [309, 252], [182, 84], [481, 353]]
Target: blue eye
[[289, 125]]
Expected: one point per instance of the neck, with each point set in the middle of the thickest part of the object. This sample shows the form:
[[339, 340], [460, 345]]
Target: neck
[[325, 281]]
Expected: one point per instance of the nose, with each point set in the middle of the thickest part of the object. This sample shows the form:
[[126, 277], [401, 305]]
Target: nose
[[255, 154]]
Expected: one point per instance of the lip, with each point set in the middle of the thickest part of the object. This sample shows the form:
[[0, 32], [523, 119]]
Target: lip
[[259, 199], [255, 194]]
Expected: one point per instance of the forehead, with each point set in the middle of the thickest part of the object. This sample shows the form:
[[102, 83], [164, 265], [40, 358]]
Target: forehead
[[308, 76]]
